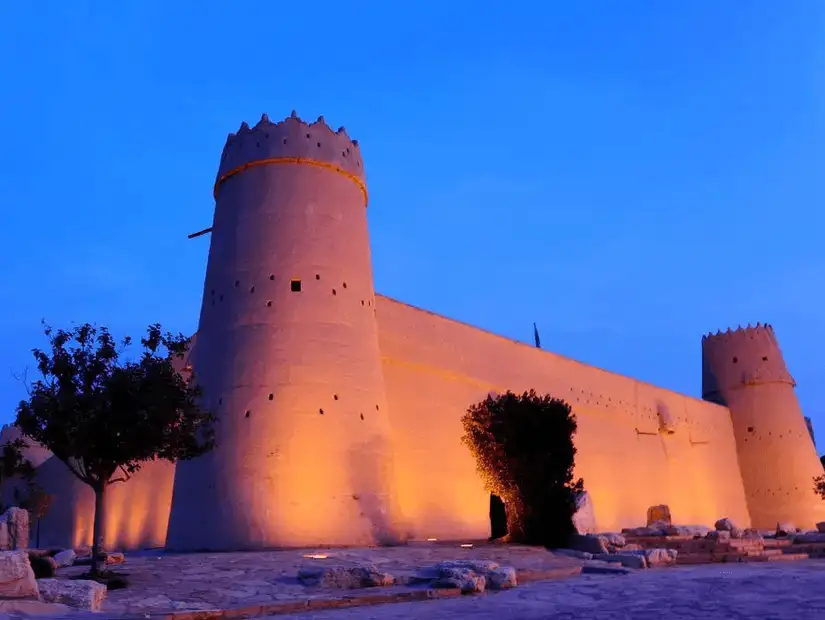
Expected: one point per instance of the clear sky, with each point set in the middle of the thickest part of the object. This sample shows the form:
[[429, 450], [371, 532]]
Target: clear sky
[[628, 174]]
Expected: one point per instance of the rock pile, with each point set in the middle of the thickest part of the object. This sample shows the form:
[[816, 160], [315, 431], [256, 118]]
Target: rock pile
[[344, 577], [20, 591], [663, 543], [469, 576], [474, 576], [614, 548]]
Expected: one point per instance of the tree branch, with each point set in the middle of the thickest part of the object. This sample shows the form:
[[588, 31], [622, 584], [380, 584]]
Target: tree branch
[[126, 474], [23, 378], [76, 471]]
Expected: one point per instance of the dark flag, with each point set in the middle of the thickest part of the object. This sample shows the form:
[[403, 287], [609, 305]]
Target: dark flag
[[536, 336], [810, 426]]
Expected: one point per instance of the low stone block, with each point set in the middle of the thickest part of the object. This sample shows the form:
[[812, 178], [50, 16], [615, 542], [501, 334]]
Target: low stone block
[[589, 543], [502, 578], [16, 576], [115, 557], [465, 579], [721, 536], [344, 577], [77, 593], [65, 557], [688, 530], [660, 557], [820, 527], [614, 541], [471, 576], [659, 514], [724, 525]]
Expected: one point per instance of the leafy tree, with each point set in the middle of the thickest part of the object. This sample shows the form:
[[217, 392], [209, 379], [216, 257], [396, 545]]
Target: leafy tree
[[104, 415], [37, 502], [524, 452]]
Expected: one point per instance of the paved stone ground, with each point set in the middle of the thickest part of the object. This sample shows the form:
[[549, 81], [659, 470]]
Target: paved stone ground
[[167, 582], [758, 591]]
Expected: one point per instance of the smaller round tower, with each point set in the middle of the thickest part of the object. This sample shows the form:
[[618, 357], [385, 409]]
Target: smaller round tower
[[744, 370]]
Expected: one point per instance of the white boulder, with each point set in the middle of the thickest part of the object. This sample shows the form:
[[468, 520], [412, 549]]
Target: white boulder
[[584, 518], [77, 593], [65, 557], [16, 576]]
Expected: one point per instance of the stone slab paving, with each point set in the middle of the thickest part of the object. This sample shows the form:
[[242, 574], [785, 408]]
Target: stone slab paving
[[163, 582], [711, 592]]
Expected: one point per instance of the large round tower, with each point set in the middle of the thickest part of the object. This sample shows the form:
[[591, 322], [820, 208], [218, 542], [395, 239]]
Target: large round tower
[[744, 371], [287, 352]]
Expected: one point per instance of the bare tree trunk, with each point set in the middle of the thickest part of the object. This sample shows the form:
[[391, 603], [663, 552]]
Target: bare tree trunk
[[37, 543], [515, 518], [97, 540]]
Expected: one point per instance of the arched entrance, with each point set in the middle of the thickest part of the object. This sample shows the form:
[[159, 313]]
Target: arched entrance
[[498, 517]]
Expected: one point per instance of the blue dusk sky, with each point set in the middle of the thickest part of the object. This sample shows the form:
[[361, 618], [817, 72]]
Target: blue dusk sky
[[628, 174]]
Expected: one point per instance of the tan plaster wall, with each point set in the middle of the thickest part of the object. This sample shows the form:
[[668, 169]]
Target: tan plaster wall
[[434, 368], [137, 511]]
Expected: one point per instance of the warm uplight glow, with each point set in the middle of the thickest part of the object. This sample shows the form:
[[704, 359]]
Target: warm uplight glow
[[466, 546], [137, 511], [432, 539], [316, 556]]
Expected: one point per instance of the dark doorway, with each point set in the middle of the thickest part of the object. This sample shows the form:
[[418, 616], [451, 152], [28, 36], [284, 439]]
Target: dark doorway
[[498, 517]]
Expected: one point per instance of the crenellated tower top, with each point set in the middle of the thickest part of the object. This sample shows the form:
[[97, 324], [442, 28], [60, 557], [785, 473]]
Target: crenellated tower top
[[291, 140], [743, 356], [760, 330]]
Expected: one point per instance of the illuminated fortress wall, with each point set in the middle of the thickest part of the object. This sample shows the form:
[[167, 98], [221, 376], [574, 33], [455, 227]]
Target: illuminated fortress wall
[[340, 411], [638, 445], [137, 512]]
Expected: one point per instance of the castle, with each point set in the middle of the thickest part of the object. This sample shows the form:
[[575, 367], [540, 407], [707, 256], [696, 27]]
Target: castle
[[340, 409]]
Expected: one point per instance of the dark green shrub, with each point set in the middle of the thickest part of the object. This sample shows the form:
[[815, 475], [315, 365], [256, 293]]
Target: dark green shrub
[[524, 451]]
